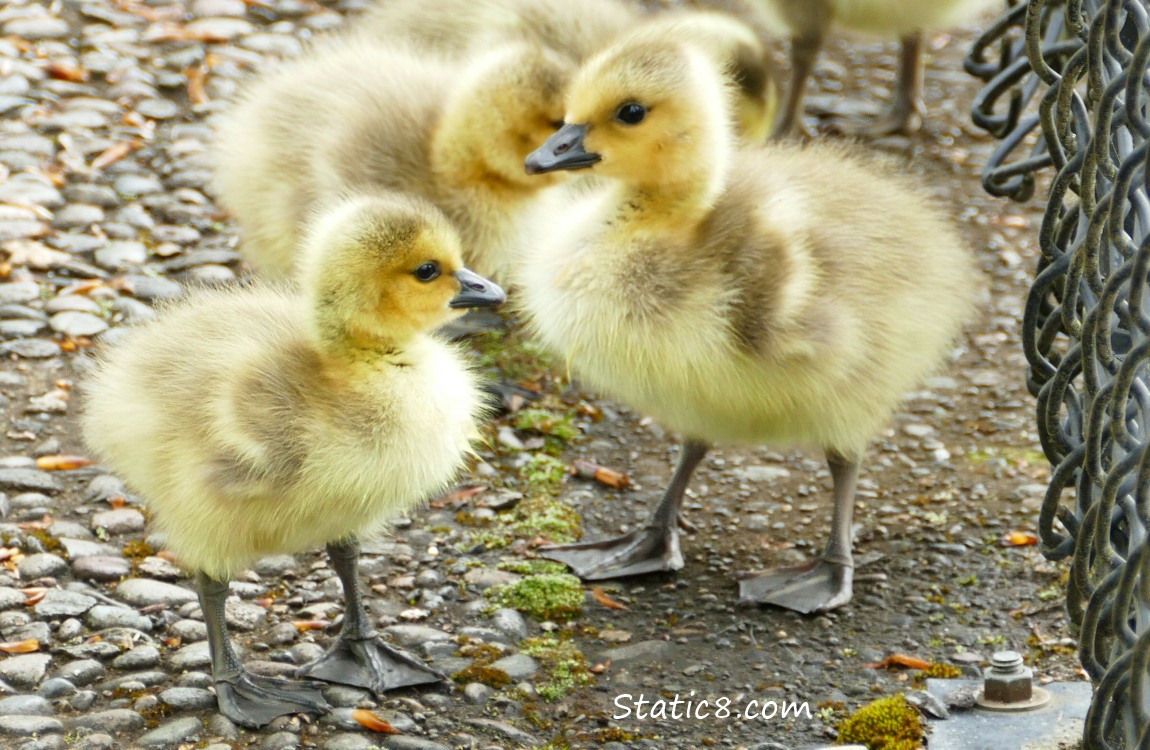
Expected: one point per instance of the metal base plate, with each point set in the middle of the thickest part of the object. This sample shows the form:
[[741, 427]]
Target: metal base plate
[[1038, 699], [1056, 725]]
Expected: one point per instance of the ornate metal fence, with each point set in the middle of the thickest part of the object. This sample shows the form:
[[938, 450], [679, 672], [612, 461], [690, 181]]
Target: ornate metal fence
[[1067, 87]]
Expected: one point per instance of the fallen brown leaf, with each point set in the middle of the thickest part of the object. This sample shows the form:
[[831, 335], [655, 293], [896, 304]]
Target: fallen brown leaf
[[601, 597], [113, 154], [459, 496], [601, 474], [34, 595], [304, 625], [35, 255], [1021, 539], [20, 647], [370, 721], [62, 462], [197, 79], [66, 69], [600, 668], [899, 660]]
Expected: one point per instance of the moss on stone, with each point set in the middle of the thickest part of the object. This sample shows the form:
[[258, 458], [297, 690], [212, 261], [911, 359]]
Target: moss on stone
[[547, 596], [562, 664], [548, 422], [885, 724]]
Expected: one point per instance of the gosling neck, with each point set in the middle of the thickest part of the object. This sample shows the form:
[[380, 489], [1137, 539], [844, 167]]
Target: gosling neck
[[354, 341]]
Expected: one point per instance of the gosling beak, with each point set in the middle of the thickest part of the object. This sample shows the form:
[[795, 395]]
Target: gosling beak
[[563, 150], [476, 291]]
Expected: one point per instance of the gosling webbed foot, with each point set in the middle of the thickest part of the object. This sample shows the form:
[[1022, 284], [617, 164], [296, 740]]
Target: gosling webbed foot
[[369, 663], [651, 549], [894, 121], [817, 586], [254, 700]]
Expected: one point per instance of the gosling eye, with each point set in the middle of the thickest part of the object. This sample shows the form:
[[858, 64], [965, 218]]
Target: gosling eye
[[427, 272], [631, 113]]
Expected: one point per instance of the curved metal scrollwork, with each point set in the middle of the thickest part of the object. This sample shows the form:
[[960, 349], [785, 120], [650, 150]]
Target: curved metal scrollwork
[[1068, 88]]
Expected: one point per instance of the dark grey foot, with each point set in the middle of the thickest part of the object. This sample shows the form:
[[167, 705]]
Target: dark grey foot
[[817, 586], [369, 663], [897, 121], [253, 700], [648, 550]]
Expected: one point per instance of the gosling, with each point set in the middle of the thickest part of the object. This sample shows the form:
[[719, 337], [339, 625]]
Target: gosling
[[780, 294], [257, 421], [809, 21], [358, 116], [456, 29]]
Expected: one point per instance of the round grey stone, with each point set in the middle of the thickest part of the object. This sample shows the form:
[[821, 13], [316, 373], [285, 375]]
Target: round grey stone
[[41, 565], [140, 657], [82, 700], [18, 292], [158, 109], [102, 568], [188, 698], [477, 693], [141, 592], [279, 741], [210, 8], [190, 657], [509, 621], [411, 635], [400, 742], [81, 672], [55, 687], [189, 631], [25, 705], [219, 29], [195, 680], [517, 666], [73, 303], [173, 733], [69, 629], [275, 565], [37, 27], [348, 742], [29, 726], [104, 616], [118, 521], [60, 603], [77, 216], [113, 721], [25, 670], [96, 741], [72, 323], [121, 254], [97, 195]]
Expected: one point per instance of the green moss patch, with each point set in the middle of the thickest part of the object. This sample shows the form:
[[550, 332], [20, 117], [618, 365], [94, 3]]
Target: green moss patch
[[885, 724], [548, 596], [563, 666]]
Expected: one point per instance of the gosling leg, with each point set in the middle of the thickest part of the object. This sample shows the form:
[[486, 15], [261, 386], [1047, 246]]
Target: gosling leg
[[906, 111], [825, 583], [247, 699], [360, 657], [651, 549], [805, 47]]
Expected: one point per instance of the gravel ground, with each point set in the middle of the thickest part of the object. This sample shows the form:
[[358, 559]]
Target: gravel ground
[[103, 212]]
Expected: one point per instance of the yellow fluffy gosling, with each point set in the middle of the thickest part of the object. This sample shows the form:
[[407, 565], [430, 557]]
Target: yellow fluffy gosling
[[780, 294], [809, 21], [354, 116], [456, 29], [257, 422]]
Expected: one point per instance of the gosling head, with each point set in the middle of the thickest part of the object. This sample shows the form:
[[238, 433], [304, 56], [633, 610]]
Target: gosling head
[[646, 111], [381, 269], [508, 103]]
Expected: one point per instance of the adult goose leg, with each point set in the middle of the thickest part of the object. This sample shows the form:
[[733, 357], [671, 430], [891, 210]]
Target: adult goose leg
[[822, 584], [651, 549], [247, 699], [360, 657]]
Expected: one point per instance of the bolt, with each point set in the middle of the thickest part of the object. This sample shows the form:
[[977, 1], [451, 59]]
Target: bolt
[[1007, 681]]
